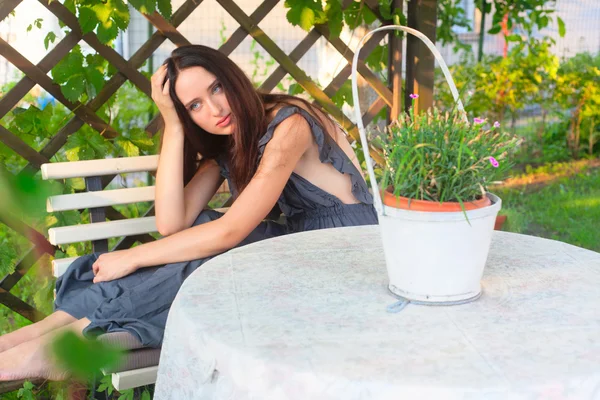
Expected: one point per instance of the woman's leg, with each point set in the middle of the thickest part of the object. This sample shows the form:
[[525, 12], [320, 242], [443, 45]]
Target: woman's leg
[[32, 359], [33, 331]]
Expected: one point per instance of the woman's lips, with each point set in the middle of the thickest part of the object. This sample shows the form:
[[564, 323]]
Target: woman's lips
[[225, 121]]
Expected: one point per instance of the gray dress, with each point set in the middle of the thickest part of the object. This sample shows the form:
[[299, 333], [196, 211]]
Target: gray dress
[[139, 303]]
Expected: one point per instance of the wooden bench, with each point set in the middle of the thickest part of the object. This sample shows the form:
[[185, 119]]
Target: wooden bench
[[94, 199]]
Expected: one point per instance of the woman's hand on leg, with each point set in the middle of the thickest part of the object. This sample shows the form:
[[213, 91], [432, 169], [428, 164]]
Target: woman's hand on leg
[[114, 265]]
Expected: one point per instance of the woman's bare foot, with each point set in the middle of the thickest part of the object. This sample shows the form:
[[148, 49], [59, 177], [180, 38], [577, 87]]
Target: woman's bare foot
[[34, 331], [33, 359], [30, 360]]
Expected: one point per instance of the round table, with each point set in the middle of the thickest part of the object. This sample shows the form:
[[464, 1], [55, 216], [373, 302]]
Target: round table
[[304, 317]]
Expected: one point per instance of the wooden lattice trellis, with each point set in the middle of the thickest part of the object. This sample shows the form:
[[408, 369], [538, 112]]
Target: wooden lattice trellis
[[128, 70]]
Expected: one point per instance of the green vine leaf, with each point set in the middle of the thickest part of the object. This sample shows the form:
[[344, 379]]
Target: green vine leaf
[[293, 15], [126, 147], [71, 64], [106, 385], [295, 89], [32, 121], [50, 38], [399, 18], [126, 395], [8, 257], [108, 17], [94, 81], [87, 19], [107, 32], [76, 78], [69, 74], [378, 58], [495, 29], [385, 9], [164, 8], [26, 392], [353, 15], [561, 27], [305, 13], [344, 95], [37, 23], [335, 18], [87, 144], [83, 357], [115, 11], [140, 138], [144, 6], [368, 15], [74, 87], [307, 18]]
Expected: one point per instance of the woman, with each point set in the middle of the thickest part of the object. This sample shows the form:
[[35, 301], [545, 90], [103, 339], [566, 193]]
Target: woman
[[275, 150]]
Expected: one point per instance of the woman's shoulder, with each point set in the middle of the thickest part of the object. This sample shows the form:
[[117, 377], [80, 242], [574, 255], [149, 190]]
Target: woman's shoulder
[[273, 109], [313, 113], [287, 124]]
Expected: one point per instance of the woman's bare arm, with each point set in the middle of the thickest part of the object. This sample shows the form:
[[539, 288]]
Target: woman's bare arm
[[177, 207], [291, 139], [168, 198]]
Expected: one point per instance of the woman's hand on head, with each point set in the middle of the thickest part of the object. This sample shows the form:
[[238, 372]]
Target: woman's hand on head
[[114, 265], [161, 97]]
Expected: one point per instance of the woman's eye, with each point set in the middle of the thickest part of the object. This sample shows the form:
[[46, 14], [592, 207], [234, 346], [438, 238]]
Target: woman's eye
[[194, 106], [217, 88]]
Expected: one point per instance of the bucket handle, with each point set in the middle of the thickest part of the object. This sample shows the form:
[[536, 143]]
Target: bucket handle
[[361, 129]]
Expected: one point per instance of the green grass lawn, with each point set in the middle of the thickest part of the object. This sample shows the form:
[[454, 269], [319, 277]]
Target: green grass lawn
[[567, 209]]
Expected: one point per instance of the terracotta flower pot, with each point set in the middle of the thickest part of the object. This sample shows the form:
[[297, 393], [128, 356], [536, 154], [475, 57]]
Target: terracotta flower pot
[[500, 220], [391, 200]]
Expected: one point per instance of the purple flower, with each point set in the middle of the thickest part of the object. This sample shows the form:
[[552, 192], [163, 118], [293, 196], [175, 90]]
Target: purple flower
[[496, 124], [413, 96], [494, 162], [478, 120]]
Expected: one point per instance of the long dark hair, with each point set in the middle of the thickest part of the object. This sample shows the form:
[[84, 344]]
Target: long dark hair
[[240, 150]]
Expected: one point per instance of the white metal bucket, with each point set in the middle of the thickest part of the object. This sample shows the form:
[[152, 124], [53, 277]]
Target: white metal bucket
[[437, 256], [432, 257]]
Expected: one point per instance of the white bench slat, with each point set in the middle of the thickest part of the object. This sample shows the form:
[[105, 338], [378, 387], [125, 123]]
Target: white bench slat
[[134, 378], [101, 198], [82, 169], [60, 265], [101, 230]]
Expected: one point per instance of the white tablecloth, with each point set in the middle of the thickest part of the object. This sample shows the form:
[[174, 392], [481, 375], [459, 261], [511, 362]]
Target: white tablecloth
[[304, 317]]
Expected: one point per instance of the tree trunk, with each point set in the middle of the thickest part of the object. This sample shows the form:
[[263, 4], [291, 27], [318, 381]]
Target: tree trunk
[[571, 135], [578, 134], [420, 62], [572, 140], [541, 130], [481, 32], [591, 141], [513, 122], [395, 68]]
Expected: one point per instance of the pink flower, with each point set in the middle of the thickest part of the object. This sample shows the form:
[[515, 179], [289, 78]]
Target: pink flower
[[413, 96], [478, 120], [496, 124], [494, 162]]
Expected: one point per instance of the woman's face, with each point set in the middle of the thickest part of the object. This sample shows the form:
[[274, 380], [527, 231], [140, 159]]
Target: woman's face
[[203, 97]]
